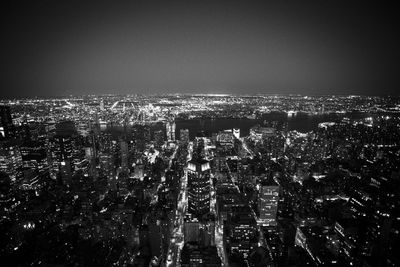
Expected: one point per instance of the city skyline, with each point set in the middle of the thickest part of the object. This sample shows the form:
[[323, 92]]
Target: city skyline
[[200, 180], [199, 133]]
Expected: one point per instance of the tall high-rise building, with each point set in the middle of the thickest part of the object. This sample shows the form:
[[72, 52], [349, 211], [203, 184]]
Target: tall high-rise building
[[170, 129], [146, 132], [243, 234], [268, 202], [159, 138], [199, 187], [10, 160], [62, 155], [123, 145], [184, 135], [34, 155], [62, 148], [226, 138], [236, 132], [7, 129], [106, 162], [173, 127], [191, 229], [102, 105]]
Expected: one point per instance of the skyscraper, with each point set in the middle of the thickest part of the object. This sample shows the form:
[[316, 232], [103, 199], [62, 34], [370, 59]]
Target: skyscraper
[[6, 124], [243, 235], [102, 105], [107, 167], [199, 184], [123, 145], [236, 132], [62, 156], [159, 138], [268, 202], [184, 135], [226, 139], [10, 160], [34, 155], [170, 129]]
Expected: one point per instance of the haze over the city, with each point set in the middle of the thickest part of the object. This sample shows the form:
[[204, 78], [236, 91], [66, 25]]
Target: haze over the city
[[241, 47]]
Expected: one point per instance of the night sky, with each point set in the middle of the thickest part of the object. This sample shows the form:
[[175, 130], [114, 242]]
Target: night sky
[[54, 48]]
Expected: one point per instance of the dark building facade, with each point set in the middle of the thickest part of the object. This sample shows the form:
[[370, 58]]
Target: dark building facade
[[7, 129], [199, 187]]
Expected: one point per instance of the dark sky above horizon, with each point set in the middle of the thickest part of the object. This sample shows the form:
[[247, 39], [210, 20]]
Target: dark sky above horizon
[[52, 48]]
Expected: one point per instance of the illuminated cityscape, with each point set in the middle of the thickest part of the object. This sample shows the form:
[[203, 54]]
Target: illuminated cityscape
[[200, 180], [198, 133]]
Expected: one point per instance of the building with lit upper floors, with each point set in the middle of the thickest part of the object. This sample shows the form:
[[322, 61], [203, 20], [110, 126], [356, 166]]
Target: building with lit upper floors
[[199, 187], [268, 202]]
